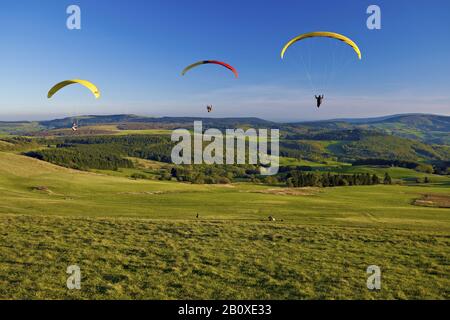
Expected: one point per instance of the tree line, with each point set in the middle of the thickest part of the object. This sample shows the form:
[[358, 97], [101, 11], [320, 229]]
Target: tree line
[[82, 158], [111, 152], [299, 179]]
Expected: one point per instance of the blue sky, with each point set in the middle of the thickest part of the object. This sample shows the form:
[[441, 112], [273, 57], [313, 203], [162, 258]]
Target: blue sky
[[135, 50]]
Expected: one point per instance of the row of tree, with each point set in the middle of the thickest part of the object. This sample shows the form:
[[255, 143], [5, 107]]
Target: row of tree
[[314, 179], [111, 152], [212, 174], [421, 167], [82, 158]]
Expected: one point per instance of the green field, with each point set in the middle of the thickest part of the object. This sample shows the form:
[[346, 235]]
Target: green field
[[403, 174], [285, 161], [114, 130], [7, 128], [141, 239]]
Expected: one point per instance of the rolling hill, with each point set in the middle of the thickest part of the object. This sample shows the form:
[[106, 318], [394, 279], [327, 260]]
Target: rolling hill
[[424, 127], [410, 137], [141, 239]]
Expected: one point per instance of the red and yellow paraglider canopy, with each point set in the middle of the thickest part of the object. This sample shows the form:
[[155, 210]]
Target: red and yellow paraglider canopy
[[223, 64]]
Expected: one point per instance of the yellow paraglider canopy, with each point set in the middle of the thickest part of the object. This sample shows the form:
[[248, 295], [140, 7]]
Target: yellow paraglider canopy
[[322, 34], [84, 83]]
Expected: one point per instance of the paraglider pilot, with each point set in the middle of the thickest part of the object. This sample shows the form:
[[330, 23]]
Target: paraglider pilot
[[74, 126], [319, 100]]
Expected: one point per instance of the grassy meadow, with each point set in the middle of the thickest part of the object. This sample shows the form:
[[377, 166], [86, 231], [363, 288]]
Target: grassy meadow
[[140, 239]]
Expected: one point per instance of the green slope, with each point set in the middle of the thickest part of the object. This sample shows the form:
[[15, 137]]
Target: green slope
[[140, 239]]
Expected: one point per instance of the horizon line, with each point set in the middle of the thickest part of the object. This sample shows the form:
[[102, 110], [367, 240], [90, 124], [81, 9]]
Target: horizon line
[[219, 118]]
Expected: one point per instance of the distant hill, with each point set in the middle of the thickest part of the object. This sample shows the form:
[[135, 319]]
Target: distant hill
[[415, 118], [424, 127], [186, 121], [430, 129], [412, 138], [376, 119]]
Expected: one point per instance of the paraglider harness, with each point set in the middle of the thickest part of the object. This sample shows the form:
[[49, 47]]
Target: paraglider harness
[[319, 100], [75, 125]]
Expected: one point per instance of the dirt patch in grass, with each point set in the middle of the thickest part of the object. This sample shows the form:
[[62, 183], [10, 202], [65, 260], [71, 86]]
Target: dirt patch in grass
[[290, 191], [143, 193], [433, 200], [43, 189], [224, 185]]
